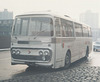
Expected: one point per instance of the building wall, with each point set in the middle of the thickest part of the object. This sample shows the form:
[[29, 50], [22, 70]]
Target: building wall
[[95, 33], [6, 15], [92, 19], [6, 22], [5, 33]]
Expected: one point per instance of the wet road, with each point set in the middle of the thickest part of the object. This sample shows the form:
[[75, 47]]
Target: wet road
[[7, 71]]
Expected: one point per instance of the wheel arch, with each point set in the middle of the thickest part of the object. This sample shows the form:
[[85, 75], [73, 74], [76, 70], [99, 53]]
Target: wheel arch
[[68, 51], [68, 55]]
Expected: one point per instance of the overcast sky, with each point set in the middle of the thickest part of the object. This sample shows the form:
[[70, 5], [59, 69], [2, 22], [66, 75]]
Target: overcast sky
[[72, 8]]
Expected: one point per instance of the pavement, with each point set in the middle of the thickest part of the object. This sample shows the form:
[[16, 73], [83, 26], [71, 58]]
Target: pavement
[[5, 49]]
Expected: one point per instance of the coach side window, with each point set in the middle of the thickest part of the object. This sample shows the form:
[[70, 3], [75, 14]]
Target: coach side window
[[85, 32], [63, 25], [78, 30], [90, 33], [67, 28], [57, 26]]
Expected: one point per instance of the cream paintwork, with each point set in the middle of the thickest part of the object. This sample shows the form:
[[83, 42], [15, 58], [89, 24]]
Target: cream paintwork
[[59, 46]]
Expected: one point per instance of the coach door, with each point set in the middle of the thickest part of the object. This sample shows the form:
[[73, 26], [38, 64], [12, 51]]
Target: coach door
[[58, 42]]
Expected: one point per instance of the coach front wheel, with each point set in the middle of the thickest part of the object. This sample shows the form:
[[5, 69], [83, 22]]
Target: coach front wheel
[[67, 60]]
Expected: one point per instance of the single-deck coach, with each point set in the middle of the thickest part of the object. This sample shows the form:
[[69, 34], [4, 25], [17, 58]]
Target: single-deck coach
[[48, 39]]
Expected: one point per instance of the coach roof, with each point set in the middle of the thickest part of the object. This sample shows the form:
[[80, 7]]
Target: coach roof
[[50, 13]]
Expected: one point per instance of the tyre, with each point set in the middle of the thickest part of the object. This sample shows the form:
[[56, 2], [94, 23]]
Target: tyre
[[67, 60], [87, 53]]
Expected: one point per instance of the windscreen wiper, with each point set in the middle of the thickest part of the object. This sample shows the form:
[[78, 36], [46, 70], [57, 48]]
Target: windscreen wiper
[[39, 33]]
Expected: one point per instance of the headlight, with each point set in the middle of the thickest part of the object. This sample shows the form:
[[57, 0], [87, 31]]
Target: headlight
[[40, 52], [46, 53], [17, 52], [13, 52], [43, 58]]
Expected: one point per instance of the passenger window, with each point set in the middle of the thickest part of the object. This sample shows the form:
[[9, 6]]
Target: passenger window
[[78, 30], [85, 32], [57, 25], [67, 28], [63, 31], [90, 33]]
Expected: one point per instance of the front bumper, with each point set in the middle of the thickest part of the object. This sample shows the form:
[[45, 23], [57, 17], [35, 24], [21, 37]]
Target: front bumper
[[28, 62], [31, 54]]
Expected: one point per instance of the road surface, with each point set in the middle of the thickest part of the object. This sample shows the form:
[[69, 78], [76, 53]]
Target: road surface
[[14, 72]]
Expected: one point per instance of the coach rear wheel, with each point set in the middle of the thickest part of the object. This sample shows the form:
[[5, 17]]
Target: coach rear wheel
[[87, 52], [67, 60]]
